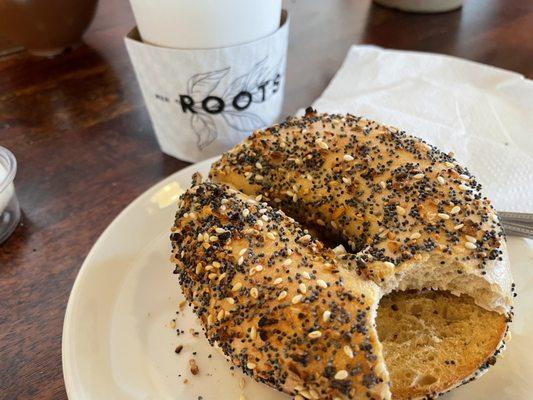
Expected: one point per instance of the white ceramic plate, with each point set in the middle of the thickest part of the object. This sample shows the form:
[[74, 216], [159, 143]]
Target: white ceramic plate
[[118, 339]]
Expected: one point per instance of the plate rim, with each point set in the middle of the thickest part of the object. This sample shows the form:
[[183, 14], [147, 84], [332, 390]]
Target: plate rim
[[68, 371]]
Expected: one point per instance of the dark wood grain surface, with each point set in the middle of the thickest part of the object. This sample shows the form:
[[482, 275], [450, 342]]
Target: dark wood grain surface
[[85, 146]]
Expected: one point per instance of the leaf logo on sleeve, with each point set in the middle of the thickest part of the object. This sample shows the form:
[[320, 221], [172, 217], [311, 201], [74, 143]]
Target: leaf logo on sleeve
[[254, 87]]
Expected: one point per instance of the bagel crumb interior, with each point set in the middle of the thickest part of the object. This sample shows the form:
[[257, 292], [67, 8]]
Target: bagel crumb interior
[[432, 339]]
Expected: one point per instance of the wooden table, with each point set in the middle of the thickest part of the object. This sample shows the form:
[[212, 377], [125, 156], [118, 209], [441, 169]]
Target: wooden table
[[85, 146]]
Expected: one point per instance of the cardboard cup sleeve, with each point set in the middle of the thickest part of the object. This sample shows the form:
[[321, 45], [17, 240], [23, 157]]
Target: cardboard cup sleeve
[[204, 101]]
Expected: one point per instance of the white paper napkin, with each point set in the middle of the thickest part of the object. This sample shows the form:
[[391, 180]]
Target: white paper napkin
[[481, 113]]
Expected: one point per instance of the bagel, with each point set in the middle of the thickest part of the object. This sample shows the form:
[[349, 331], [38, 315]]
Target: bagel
[[412, 218]]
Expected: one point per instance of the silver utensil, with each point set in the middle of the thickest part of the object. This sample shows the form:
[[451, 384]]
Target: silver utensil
[[517, 224]]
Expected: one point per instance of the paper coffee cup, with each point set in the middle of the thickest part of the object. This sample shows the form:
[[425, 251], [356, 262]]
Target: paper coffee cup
[[205, 24], [202, 102]]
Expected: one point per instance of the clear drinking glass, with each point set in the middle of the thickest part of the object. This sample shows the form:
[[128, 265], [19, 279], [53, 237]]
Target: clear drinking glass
[[9, 205]]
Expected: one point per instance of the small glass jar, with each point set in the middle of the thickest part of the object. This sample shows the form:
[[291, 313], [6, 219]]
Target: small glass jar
[[9, 205]]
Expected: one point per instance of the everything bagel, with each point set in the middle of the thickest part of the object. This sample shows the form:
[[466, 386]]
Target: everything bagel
[[412, 218]]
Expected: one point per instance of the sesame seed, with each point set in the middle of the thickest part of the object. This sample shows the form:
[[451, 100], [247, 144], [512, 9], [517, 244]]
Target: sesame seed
[[462, 186], [282, 295], [200, 237], [326, 315], [321, 144], [304, 239], [262, 210], [253, 333], [458, 226], [219, 230], [213, 238], [441, 180], [198, 268], [302, 288], [455, 210], [464, 177], [258, 177], [277, 281], [347, 157], [236, 287], [250, 365], [258, 165], [314, 334], [209, 319], [265, 218], [470, 245], [306, 275], [346, 180], [443, 216], [230, 300], [322, 283], [470, 239], [342, 374], [383, 233], [306, 394], [222, 276], [271, 236], [382, 184], [400, 210], [418, 176], [296, 299], [217, 265], [348, 351], [258, 268], [220, 315], [245, 212], [287, 261], [388, 264], [415, 236], [240, 260], [212, 275], [254, 292]]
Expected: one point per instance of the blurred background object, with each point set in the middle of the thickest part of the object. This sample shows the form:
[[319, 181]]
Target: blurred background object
[[9, 206], [422, 6], [46, 27]]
